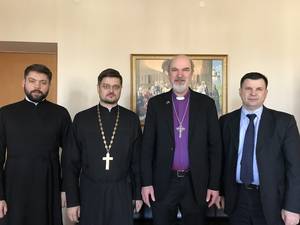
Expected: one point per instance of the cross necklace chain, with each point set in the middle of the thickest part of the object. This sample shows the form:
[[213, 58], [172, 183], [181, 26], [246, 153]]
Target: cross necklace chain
[[180, 128], [107, 158]]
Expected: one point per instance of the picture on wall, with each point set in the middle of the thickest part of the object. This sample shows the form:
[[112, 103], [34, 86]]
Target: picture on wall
[[149, 77]]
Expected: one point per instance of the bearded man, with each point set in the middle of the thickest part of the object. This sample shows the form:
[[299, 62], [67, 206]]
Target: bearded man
[[181, 150], [31, 133], [102, 170]]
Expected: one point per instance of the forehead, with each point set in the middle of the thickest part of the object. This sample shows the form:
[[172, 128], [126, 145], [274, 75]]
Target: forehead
[[111, 81], [254, 83], [181, 62], [37, 76]]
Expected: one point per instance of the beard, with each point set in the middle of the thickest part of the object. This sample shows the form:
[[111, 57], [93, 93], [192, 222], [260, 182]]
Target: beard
[[179, 88], [109, 101], [35, 98]]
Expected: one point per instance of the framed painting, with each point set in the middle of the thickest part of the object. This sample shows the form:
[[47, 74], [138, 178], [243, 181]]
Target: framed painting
[[149, 77]]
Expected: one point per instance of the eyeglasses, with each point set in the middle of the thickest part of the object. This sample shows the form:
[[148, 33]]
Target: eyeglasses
[[109, 87]]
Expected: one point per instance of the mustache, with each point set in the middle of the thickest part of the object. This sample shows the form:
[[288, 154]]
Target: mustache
[[36, 91]]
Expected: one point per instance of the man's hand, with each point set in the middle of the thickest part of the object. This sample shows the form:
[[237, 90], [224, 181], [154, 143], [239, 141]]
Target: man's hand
[[289, 218], [63, 199], [74, 213], [212, 197], [138, 205], [220, 202], [146, 191], [3, 208]]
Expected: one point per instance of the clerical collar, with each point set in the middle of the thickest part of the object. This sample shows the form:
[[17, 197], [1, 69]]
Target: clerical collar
[[35, 103], [181, 98], [113, 109]]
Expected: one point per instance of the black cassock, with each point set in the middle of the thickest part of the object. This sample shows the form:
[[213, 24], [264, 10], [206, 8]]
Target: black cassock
[[105, 196], [30, 181]]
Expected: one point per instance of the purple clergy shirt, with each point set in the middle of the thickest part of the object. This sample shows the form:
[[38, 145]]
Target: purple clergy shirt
[[181, 155]]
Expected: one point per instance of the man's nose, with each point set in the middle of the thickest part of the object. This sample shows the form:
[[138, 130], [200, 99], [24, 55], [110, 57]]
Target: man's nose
[[37, 85], [179, 74]]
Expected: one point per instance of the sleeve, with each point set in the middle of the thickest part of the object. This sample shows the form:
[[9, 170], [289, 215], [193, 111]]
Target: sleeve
[[64, 139], [148, 144], [72, 166], [2, 154], [291, 148], [222, 181], [214, 148], [135, 160]]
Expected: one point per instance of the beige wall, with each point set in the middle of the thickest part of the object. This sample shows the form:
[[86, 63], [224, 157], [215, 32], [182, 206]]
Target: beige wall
[[92, 35]]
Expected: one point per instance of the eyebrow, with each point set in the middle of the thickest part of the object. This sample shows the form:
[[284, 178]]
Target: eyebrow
[[31, 78], [185, 68]]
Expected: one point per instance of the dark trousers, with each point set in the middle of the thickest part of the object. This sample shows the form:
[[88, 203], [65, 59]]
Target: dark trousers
[[180, 196], [248, 210]]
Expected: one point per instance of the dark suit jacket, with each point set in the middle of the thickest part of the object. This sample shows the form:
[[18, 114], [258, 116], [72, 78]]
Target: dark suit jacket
[[204, 145], [278, 161]]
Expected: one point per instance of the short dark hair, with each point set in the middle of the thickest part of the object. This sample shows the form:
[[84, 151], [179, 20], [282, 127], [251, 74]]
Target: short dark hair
[[254, 76], [109, 73], [40, 68]]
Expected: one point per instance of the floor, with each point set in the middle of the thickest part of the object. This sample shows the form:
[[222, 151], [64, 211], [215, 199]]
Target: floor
[[211, 222], [214, 217]]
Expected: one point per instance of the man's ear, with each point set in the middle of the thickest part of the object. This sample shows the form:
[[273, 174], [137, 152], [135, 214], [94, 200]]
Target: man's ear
[[23, 83]]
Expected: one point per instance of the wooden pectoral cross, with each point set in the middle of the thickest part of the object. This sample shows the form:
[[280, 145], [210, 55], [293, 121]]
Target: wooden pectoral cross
[[107, 158], [180, 129]]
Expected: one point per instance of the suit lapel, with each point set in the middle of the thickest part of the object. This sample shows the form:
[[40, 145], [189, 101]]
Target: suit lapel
[[235, 128], [192, 115], [169, 112], [265, 129]]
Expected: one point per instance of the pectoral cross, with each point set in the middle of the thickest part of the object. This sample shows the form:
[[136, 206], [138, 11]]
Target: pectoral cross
[[180, 130], [107, 158]]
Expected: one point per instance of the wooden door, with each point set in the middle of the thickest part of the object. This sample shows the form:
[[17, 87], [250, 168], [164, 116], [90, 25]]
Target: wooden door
[[12, 66]]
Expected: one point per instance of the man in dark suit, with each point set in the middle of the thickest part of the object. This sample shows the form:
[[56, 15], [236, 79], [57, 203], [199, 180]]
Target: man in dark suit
[[261, 146], [181, 151]]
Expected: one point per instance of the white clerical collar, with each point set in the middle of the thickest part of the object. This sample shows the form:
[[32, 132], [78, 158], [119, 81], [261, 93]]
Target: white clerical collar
[[108, 108], [36, 103], [180, 98]]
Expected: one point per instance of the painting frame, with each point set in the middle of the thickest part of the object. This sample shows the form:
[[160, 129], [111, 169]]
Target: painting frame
[[149, 78]]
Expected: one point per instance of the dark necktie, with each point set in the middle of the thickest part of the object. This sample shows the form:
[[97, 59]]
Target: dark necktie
[[248, 149]]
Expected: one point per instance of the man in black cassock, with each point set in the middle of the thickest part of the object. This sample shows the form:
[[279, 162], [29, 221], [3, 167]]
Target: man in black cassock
[[31, 132], [102, 171]]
